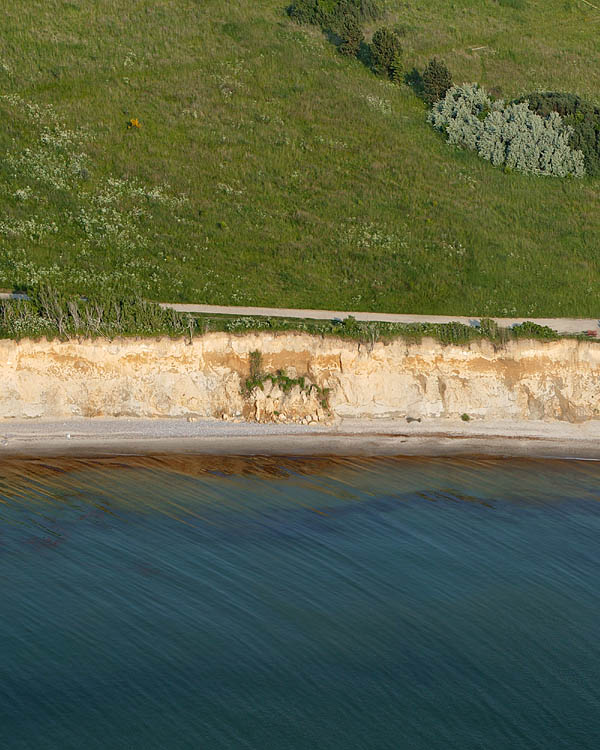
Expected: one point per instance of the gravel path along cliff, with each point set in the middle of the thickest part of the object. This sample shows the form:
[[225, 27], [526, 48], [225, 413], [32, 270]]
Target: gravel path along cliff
[[561, 325]]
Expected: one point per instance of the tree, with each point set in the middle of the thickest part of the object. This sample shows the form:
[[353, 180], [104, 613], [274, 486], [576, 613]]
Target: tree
[[348, 28], [386, 52], [437, 79]]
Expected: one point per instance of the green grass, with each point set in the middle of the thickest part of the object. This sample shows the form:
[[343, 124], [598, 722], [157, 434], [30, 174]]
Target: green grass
[[295, 177]]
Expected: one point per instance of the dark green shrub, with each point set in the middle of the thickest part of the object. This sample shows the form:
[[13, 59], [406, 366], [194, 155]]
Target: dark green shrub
[[582, 116], [330, 13], [532, 330], [351, 45], [349, 30], [396, 70], [317, 12], [544, 102], [436, 81], [386, 52]]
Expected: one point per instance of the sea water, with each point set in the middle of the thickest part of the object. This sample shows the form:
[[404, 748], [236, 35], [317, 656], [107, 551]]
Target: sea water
[[299, 603]]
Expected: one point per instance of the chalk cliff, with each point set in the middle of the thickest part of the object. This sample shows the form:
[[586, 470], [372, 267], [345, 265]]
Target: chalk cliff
[[162, 377]]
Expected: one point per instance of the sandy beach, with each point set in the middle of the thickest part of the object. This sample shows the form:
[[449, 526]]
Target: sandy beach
[[349, 437]]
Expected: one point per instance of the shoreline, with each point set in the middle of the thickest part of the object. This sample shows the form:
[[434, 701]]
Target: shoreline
[[119, 436]]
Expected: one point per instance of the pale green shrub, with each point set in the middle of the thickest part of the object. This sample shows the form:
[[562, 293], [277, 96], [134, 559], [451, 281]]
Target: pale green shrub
[[460, 114], [538, 145], [507, 135]]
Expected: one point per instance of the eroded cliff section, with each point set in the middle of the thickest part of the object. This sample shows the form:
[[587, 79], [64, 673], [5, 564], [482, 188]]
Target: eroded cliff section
[[522, 380]]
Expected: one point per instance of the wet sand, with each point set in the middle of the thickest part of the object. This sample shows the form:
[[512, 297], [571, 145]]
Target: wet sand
[[386, 437]]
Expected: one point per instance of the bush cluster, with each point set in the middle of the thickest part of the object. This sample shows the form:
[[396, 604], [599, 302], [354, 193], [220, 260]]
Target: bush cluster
[[331, 13], [582, 116], [509, 135], [344, 19], [544, 133]]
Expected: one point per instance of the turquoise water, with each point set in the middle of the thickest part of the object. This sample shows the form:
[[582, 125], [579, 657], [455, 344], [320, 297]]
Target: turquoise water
[[270, 603]]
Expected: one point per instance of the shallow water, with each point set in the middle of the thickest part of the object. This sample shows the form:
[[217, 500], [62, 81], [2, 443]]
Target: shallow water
[[280, 603]]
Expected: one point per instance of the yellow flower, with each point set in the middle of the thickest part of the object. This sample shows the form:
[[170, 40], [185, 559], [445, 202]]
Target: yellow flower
[[134, 123]]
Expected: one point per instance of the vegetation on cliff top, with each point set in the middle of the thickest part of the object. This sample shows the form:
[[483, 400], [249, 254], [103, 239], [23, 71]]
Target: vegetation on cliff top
[[220, 152], [48, 313]]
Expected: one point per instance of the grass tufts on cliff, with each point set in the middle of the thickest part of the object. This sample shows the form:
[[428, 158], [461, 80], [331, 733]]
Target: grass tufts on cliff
[[221, 152], [51, 314]]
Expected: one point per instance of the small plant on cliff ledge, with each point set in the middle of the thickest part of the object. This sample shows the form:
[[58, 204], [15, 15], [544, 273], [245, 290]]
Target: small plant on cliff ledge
[[255, 364], [280, 379], [465, 417]]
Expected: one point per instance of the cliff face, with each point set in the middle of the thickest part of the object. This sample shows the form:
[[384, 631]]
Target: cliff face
[[163, 377]]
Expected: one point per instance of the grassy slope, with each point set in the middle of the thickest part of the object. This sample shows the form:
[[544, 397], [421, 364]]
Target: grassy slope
[[309, 181]]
